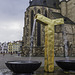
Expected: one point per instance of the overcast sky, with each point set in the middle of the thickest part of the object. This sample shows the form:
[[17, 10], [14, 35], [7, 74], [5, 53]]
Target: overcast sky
[[12, 19]]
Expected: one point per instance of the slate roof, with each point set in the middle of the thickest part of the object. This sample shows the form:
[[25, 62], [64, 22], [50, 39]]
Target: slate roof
[[47, 3], [66, 20]]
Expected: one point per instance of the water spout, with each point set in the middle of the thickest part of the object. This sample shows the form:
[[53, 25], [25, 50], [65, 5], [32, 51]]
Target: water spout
[[31, 41], [65, 42]]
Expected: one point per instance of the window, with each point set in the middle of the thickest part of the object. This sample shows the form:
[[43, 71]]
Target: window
[[38, 33], [32, 19], [45, 13]]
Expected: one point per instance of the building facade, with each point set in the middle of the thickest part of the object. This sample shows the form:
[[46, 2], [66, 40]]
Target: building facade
[[17, 46], [51, 9], [0, 47], [14, 47], [10, 47], [71, 10], [4, 48]]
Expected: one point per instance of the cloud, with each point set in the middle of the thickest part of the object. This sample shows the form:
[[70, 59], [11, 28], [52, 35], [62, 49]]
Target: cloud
[[12, 19]]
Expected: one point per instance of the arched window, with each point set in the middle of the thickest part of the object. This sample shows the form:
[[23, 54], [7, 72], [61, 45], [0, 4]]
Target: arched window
[[32, 19], [45, 13], [38, 33]]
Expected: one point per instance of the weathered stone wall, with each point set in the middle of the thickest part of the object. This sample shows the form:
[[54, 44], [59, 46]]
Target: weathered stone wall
[[71, 10], [68, 9], [59, 42], [27, 31], [63, 7]]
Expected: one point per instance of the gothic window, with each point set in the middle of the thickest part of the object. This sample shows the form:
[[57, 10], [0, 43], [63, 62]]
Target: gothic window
[[38, 33], [32, 19], [45, 13], [27, 21]]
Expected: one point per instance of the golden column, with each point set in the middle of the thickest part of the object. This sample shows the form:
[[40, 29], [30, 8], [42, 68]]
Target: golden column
[[49, 39]]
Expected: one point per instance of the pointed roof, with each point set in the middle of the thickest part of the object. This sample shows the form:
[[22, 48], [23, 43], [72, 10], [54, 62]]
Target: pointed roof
[[47, 3]]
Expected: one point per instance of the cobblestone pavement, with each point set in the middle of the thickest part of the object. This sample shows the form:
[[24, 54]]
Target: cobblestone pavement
[[13, 57]]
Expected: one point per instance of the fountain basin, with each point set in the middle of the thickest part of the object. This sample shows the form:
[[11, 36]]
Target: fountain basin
[[66, 65], [23, 66]]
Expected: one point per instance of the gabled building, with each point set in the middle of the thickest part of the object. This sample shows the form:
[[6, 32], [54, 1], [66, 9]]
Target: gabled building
[[51, 9], [17, 46], [10, 47]]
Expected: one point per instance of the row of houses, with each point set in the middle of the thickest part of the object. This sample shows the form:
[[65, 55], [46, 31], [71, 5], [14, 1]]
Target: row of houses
[[11, 47]]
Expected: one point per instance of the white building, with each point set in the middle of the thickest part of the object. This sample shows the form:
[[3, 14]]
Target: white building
[[4, 47], [0, 47]]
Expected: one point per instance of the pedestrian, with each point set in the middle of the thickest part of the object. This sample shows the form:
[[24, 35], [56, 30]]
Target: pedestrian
[[3, 53]]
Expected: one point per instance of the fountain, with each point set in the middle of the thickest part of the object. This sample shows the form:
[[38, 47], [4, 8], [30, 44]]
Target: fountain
[[31, 47], [31, 66], [66, 65], [49, 40], [23, 66]]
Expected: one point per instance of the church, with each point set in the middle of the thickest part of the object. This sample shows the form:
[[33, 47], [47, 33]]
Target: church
[[51, 9]]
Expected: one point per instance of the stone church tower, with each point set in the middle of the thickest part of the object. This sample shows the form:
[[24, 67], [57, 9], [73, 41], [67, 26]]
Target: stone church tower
[[51, 9]]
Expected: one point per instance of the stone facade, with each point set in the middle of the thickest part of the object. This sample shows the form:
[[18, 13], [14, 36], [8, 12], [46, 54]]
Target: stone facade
[[39, 35], [71, 10], [38, 47], [59, 41]]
